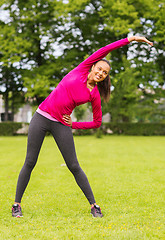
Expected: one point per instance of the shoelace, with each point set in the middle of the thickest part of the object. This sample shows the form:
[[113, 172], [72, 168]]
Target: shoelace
[[16, 209], [98, 210]]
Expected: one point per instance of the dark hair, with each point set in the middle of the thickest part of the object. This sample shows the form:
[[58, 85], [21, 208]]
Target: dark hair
[[104, 86]]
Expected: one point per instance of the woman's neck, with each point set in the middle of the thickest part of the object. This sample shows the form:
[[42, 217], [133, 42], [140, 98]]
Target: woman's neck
[[90, 83]]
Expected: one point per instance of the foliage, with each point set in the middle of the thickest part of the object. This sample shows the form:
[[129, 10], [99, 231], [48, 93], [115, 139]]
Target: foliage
[[148, 63], [119, 17], [30, 26], [125, 128], [139, 129], [11, 85]]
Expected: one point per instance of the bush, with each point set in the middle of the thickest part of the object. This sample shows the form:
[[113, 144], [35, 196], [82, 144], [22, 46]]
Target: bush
[[139, 129], [83, 132], [9, 128]]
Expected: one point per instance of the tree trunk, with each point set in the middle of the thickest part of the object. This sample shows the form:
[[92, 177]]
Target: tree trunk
[[6, 98], [12, 107]]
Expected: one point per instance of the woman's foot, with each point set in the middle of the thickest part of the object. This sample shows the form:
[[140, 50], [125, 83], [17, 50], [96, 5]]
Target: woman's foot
[[96, 211], [16, 210]]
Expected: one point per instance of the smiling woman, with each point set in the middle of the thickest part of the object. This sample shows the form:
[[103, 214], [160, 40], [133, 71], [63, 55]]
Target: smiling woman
[[79, 86]]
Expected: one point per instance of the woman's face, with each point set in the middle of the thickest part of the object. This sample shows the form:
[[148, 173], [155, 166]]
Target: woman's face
[[100, 71]]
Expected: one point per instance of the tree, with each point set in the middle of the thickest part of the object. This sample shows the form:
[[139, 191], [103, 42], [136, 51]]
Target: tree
[[159, 34], [30, 26], [148, 20], [10, 53], [77, 29]]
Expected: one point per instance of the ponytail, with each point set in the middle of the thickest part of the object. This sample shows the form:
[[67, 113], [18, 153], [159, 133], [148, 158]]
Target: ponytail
[[104, 88]]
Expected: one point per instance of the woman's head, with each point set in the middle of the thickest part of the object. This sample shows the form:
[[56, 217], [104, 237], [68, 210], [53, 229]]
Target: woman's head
[[100, 71]]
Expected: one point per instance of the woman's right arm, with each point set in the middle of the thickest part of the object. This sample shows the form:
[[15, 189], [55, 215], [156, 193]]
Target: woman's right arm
[[103, 52]]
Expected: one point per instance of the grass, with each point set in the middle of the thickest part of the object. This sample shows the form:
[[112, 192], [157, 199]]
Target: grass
[[127, 177]]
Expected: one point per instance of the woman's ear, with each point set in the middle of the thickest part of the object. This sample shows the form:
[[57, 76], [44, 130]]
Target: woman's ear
[[92, 67]]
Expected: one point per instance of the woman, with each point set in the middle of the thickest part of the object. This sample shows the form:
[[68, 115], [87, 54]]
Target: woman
[[85, 83]]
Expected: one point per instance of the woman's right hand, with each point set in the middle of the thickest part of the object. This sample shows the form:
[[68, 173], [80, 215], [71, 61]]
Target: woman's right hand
[[139, 39], [67, 119]]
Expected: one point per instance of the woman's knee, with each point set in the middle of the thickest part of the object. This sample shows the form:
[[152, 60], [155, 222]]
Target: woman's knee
[[74, 168], [30, 163]]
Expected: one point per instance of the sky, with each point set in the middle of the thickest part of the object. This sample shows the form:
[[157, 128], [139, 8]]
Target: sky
[[3, 15]]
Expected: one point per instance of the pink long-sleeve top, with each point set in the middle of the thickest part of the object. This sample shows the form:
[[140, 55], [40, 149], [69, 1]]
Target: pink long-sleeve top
[[72, 91]]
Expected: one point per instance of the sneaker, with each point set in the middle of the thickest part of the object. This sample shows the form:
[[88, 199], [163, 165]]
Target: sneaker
[[16, 210], [96, 211]]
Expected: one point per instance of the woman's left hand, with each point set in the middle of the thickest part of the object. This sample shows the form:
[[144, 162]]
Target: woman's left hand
[[139, 39], [67, 119]]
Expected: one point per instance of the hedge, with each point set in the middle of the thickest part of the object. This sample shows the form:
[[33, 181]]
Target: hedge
[[9, 128], [141, 129]]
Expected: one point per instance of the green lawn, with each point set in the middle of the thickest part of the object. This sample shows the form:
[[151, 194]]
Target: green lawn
[[127, 175]]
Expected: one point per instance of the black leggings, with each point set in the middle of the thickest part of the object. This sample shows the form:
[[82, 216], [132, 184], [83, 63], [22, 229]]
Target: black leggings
[[63, 136]]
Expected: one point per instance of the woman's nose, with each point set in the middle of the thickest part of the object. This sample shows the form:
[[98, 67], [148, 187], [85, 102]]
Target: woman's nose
[[101, 73]]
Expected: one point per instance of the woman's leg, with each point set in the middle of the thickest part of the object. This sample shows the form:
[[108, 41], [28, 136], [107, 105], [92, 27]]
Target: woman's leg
[[36, 134], [64, 139]]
